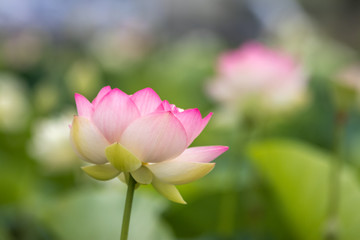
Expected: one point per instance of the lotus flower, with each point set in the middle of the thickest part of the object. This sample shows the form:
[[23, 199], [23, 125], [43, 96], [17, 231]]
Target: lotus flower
[[143, 136], [257, 77]]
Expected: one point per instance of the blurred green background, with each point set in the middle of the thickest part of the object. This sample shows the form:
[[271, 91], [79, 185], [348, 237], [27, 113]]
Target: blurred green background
[[281, 178]]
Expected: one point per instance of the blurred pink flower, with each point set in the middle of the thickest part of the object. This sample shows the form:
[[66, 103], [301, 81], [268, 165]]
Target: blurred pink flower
[[349, 76], [346, 87], [255, 74], [143, 136]]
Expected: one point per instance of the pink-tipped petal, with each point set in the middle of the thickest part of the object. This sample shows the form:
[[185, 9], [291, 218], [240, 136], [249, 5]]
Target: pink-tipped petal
[[146, 100], [166, 106], [84, 107], [204, 122], [192, 121], [114, 113], [155, 137], [101, 94], [87, 141], [201, 154]]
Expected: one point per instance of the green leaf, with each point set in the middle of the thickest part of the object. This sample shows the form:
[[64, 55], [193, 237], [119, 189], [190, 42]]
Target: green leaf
[[299, 177], [121, 158], [101, 172]]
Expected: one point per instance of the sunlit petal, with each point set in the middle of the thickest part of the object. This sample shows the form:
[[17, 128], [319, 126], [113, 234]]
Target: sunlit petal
[[155, 138], [180, 172], [201, 154], [88, 141], [114, 113], [146, 100]]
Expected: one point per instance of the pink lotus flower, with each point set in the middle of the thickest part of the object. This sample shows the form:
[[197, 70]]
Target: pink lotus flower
[[143, 136], [256, 76]]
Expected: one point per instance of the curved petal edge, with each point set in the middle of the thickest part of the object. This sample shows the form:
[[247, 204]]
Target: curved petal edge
[[201, 154], [101, 172], [168, 190], [87, 141], [179, 172]]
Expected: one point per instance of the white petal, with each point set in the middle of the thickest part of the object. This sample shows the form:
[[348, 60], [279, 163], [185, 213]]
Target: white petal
[[178, 172], [87, 141]]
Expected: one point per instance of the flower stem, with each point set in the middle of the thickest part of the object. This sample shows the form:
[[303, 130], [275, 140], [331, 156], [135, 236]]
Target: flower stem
[[127, 211], [332, 224]]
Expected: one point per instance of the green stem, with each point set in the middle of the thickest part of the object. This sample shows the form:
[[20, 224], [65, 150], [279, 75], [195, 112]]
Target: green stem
[[228, 207], [127, 211], [334, 179]]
